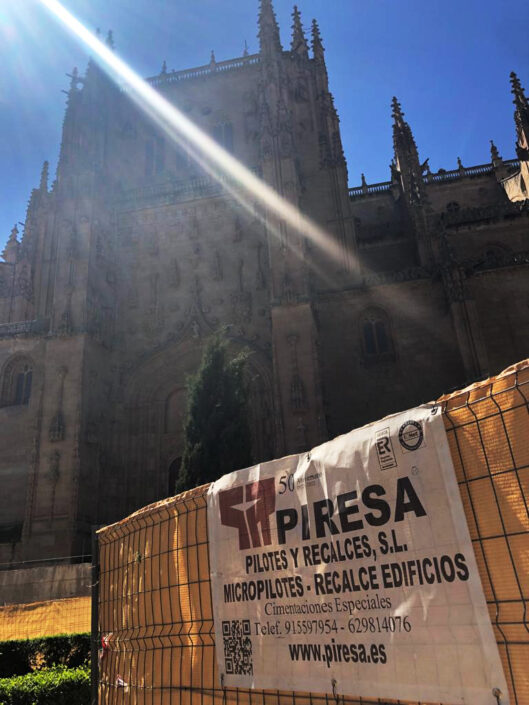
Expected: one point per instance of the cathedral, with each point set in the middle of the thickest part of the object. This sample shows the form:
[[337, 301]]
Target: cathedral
[[135, 254]]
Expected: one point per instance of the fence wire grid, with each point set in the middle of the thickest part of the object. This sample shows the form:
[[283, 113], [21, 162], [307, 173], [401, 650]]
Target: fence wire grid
[[46, 618], [155, 615]]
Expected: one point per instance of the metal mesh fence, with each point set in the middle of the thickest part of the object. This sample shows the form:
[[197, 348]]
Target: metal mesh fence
[[488, 433], [38, 599], [155, 604], [48, 618]]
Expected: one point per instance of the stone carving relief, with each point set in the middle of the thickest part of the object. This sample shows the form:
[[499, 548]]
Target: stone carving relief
[[4, 286], [197, 255], [154, 318], [193, 229], [216, 267], [298, 395], [174, 275], [261, 279], [54, 466], [66, 322], [57, 427], [241, 300], [288, 293], [301, 91], [237, 233], [152, 244], [24, 284]]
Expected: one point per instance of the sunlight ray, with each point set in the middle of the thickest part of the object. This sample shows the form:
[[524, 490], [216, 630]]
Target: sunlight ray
[[217, 161]]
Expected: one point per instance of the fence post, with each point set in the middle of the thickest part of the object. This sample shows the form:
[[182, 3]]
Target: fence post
[[94, 635]]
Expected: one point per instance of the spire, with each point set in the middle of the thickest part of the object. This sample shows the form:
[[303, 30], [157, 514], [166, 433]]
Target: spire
[[406, 155], [109, 41], [396, 112], [317, 46], [74, 80], [521, 118], [245, 52], [403, 141], [11, 249], [495, 157], [269, 40], [212, 59], [13, 236], [520, 100], [164, 67], [44, 178], [299, 44]]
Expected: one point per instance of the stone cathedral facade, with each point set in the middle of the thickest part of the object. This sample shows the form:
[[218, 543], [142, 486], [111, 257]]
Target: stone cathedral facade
[[134, 255]]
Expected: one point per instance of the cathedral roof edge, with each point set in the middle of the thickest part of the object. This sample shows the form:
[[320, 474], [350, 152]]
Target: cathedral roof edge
[[209, 69]]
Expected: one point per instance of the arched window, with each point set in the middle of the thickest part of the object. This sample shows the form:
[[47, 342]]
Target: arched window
[[16, 382], [377, 341]]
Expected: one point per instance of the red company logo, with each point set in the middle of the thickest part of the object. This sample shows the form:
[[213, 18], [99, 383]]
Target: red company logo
[[260, 500]]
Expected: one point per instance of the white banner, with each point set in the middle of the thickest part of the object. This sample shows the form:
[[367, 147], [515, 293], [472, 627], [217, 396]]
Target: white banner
[[351, 567]]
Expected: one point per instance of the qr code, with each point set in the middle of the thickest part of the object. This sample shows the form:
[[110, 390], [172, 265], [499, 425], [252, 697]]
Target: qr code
[[237, 647]]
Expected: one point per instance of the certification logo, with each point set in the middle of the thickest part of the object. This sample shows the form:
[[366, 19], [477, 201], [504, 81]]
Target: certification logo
[[385, 454], [411, 435]]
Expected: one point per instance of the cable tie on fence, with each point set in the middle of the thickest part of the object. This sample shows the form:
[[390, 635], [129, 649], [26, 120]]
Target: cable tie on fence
[[335, 694], [222, 685], [497, 694]]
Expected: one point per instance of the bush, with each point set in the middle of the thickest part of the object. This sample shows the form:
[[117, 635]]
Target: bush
[[53, 686], [26, 655]]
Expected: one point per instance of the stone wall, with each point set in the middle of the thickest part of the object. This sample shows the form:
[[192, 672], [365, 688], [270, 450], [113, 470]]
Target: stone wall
[[45, 583]]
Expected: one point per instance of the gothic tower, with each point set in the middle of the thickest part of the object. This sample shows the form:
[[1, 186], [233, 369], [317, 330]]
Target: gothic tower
[[369, 300]]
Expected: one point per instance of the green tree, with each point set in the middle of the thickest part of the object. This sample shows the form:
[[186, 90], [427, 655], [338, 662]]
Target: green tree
[[217, 436]]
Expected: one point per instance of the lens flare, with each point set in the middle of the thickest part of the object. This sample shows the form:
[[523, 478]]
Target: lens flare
[[221, 165]]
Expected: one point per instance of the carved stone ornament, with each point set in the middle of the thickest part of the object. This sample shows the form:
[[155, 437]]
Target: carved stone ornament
[[216, 267], [57, 428], [54, 469], [298, 397], [66, 324], [24, 285], [241, 303], [174, 275]]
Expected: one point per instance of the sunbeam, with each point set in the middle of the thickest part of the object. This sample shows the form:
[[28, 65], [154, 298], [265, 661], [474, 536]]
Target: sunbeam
[[217, 161]]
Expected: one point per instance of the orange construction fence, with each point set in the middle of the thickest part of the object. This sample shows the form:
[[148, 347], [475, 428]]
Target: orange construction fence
[[155, 604]]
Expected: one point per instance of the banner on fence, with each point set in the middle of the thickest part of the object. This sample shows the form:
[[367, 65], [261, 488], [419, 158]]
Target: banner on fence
[[350, 568]]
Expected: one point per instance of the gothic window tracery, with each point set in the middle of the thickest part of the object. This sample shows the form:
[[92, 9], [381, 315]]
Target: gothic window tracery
[[377, 342], [154, 156], [223, 134], [16, 382]]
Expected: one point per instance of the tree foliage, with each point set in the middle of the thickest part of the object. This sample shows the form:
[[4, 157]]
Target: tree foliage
[[217, 436]]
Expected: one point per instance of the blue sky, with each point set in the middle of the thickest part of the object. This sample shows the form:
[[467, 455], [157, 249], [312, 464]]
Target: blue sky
[[448, 62]]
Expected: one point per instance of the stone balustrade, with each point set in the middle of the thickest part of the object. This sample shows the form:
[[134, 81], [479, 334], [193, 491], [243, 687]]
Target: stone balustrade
[[206, 70]]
